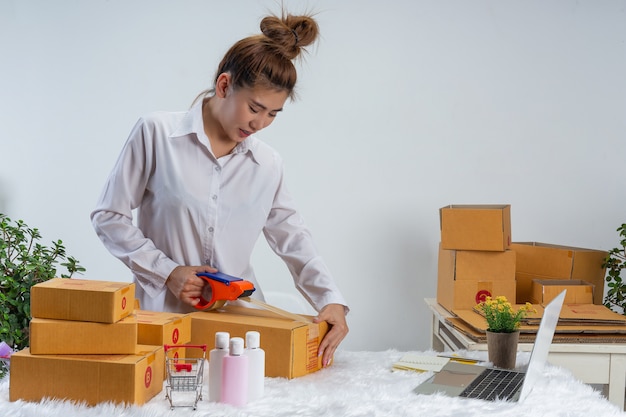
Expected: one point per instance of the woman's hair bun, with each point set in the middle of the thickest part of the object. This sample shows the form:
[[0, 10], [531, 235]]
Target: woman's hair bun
[[290, 33]]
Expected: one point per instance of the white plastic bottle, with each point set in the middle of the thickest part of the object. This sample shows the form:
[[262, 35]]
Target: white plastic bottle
[[235, 375], [256, 365], [216, 356]]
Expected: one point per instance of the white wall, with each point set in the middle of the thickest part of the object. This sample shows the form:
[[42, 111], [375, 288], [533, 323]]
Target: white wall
[[405, 106]]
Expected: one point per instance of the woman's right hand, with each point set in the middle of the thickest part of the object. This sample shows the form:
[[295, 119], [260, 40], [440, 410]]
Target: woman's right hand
[[186, 285]]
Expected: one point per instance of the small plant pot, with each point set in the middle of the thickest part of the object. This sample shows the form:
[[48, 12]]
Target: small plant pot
[[502, 349]]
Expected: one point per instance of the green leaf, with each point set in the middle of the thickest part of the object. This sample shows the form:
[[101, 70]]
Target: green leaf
[[25, 262]]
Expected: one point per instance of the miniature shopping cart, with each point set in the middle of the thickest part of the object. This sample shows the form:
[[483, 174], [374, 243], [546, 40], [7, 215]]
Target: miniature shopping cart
[[184, 375], [5, 364], [5, 358]]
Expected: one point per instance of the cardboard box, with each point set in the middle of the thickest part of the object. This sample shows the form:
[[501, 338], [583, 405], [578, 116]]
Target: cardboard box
[[290, 346], [59, 337], [547, 261], [578, 292], [465, 278], [162, 328], [475, 227], [82, 300], [91, 379]]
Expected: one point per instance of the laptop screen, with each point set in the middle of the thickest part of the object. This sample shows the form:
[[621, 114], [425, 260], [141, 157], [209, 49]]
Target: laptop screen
[[541, 348]]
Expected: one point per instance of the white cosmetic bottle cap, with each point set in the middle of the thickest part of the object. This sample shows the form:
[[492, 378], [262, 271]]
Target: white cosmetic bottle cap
[[221, 340], [253, 339], [236, 346]]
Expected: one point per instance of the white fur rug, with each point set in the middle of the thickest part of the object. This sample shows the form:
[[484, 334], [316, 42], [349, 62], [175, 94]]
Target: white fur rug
[[359, 384]]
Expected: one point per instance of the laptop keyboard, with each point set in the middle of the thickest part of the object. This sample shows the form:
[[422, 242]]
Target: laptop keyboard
[[494, 383]]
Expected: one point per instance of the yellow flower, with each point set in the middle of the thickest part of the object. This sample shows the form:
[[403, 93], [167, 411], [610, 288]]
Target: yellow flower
[[500, 315]]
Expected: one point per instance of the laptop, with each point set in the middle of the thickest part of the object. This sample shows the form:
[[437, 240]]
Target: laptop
[[488, 383]]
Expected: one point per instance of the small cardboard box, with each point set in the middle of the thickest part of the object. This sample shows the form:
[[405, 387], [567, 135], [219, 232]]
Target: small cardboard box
[[92, 379], [162, 328], [59, 337], [547, 261], [82, 300], [290, 346], [465, 278], [578, 292], [475, 227]]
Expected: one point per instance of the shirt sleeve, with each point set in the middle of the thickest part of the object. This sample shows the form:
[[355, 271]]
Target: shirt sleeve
[[112, 218], [289, 238]]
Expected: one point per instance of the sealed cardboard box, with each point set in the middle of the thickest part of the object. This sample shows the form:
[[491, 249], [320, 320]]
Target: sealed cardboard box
[[290, 346], [92, 379], [59, 337], [465, 278], [578, 292], [475, 227], [82, 300], [162, 328], [548, 261]]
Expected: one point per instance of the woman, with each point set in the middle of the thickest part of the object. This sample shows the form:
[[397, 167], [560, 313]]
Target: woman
[[204, 187]]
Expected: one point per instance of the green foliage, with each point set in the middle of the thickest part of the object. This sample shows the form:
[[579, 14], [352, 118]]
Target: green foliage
[[615, 298], [24, 262]]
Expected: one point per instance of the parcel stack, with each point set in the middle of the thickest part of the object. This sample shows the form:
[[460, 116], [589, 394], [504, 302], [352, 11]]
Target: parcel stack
[[475, 256], [478, 259], [89, 344]]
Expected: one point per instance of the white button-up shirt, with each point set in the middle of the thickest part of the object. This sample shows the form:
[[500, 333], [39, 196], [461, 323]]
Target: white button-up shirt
[[194, 209]]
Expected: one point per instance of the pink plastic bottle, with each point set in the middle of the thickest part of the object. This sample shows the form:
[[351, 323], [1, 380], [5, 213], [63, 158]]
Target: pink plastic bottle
[[235, 375]]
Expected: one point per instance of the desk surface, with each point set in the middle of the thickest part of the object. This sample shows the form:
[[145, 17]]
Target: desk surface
[[358, 384], [592, 363], [468, 343]]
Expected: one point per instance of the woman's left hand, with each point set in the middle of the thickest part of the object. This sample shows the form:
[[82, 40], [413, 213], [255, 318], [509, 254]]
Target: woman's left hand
[[335, 316]]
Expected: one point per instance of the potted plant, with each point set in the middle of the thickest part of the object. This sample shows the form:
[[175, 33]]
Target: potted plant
[[25, 262], [615, 262], [503, 329]]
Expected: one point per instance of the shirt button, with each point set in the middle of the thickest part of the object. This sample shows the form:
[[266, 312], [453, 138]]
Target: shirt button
[[211, 229], [214, 197], [218, 169], [207, 262]]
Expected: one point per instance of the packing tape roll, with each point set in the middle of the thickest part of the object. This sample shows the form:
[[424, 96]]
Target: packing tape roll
[[216, 305]]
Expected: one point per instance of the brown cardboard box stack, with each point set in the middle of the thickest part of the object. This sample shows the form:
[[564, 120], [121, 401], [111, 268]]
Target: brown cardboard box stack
[[90, 342], [84, 346], [474, 256], [477, 258]]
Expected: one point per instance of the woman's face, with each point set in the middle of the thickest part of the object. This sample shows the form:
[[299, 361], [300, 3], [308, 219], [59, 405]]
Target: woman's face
[[248, 110]]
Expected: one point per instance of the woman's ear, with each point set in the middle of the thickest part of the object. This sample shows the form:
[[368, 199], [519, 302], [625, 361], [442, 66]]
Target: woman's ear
[[222, 85]]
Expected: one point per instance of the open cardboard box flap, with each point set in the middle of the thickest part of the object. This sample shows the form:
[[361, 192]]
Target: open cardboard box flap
[[574, 318]]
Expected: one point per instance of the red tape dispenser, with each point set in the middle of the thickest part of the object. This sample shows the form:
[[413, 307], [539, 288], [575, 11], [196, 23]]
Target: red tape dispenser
[[223, 288]]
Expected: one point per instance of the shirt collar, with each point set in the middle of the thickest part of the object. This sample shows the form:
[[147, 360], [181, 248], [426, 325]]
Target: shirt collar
[[192, 124]]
